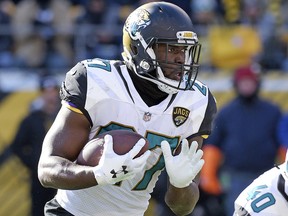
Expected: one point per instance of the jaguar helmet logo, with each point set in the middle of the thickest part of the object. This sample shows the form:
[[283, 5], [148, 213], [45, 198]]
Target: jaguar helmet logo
[[137, 21]]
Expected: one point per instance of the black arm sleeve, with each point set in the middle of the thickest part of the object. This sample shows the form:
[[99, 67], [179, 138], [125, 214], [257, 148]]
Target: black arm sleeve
[[206, 125], [74, 88], [210, 113]]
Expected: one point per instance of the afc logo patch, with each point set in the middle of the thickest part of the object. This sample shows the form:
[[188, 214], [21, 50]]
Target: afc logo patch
[[180, 115]]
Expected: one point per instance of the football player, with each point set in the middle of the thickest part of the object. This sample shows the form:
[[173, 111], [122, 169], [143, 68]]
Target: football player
[[267, 195], [153, 92]]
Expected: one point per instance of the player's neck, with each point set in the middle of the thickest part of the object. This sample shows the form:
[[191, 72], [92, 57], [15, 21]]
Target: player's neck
[[149, 92]]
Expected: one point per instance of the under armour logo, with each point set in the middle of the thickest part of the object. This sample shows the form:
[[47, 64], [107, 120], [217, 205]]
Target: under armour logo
[[114, 173]]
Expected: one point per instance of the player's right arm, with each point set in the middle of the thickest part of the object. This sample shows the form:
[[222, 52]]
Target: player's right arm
[[61, 146], [67, 137]]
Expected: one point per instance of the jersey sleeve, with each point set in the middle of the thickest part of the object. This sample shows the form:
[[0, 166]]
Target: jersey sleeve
[[74, 89], [206, 126]]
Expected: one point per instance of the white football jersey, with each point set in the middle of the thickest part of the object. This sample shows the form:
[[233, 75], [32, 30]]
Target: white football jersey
[[265, 196], [104, 92]]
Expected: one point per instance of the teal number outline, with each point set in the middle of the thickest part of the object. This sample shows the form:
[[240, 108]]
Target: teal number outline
[[265, 205], [202, 89], [154, 142], [106, 66], [252, 196]]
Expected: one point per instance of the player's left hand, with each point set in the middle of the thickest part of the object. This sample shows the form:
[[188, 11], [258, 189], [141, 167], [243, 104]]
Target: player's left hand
[[182, 168]]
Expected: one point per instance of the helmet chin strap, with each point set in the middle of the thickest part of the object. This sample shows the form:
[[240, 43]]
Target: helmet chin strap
[[171, 88], [163, 87]]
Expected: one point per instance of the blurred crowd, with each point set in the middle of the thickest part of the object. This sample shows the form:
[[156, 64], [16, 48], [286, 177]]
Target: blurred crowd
[[56, 34]]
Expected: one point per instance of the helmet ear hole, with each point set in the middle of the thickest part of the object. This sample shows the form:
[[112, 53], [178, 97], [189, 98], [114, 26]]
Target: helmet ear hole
[[134, 49]]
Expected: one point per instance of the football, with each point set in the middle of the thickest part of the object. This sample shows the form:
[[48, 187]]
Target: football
[[123, 141]]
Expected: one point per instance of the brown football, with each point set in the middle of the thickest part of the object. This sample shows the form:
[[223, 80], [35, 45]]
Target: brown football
[[123, 141]]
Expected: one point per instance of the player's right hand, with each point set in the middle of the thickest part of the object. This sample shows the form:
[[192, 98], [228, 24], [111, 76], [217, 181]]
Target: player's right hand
[[113, 168]]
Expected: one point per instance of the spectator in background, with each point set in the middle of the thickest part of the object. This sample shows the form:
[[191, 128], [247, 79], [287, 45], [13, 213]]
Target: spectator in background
[[27, 143], [283, 131], [244, 131], [204, 11], [258, 14], [6, 42], [270, 198], [43, 33], [102, 34], [284, 33]]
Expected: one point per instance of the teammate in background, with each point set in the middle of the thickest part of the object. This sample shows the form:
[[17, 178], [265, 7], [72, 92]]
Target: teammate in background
[[27, 143], [267, 195], [154, 92], [245, 130]]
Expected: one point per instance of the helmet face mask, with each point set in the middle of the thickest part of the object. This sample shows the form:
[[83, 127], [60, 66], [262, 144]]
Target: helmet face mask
[[177, 73], [150, 33]]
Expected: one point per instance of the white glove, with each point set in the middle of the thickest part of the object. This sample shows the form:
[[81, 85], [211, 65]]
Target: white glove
[[182, 168], [113, 168]]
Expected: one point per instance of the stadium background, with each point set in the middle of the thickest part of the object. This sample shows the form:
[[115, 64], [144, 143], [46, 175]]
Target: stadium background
[[14, 181], [224, 48]]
